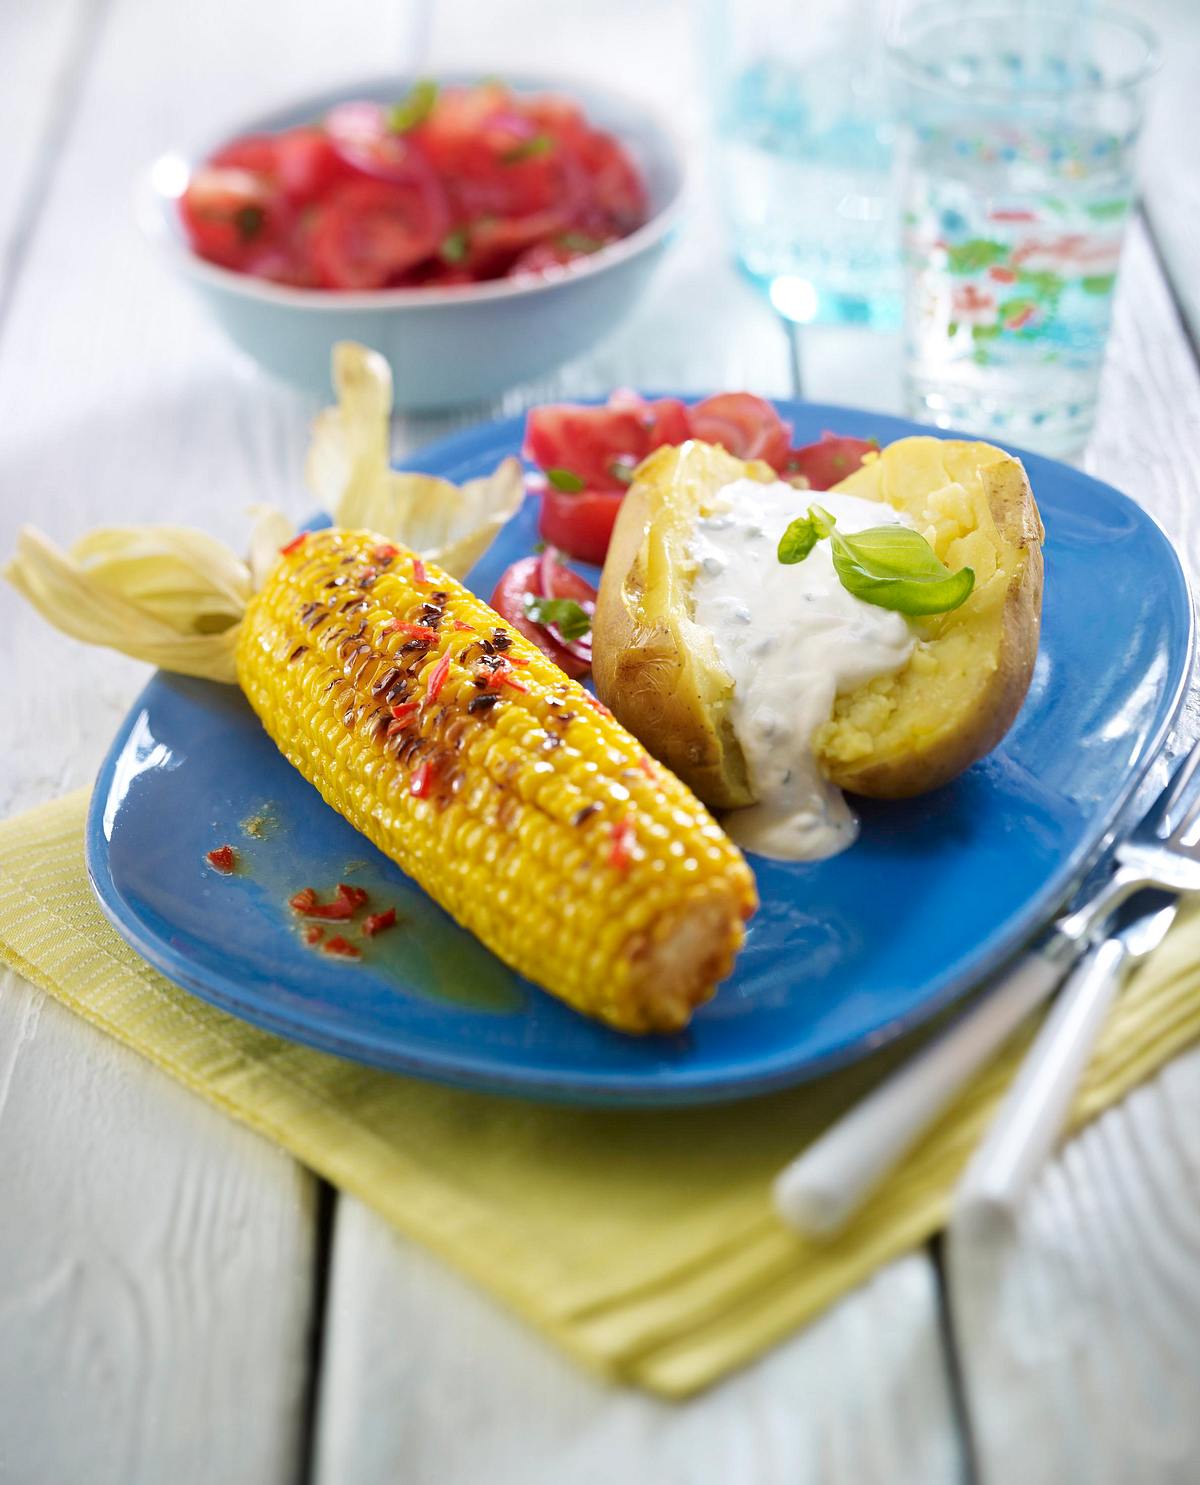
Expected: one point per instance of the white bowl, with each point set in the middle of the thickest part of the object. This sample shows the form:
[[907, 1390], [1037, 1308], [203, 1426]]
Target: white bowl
[[446, 346]]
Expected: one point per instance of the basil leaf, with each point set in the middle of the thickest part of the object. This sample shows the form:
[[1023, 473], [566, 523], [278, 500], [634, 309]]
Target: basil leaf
[[249, 222], [414, 108], [571, 619], [579, 242], [797, 541], [894, 551], [529, 149], [455, 246], [803, 534], [894, 567], [563, 479]]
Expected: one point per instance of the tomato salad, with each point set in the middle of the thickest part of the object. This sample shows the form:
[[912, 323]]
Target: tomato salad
[[586, 457], [451, 185]]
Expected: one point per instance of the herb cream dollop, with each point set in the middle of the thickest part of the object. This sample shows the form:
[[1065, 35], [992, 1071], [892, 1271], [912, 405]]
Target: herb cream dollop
[[790, 638]]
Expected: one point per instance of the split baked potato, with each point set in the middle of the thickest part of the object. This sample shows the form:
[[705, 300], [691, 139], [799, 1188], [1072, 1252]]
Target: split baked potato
[[898, 735]]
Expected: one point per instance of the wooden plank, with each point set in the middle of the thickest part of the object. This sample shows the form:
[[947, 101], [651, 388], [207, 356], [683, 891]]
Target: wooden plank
[[1079, 1337], [44, 51], [155, 1270], [1170, 154], [1079, 1341], [429, 1382], [157, 1260]]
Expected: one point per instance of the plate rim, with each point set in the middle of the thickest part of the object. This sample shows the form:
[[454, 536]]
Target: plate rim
[[676, 1086]]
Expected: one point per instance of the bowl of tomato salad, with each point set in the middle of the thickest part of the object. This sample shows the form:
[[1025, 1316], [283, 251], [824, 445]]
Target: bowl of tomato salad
[[477, 232]]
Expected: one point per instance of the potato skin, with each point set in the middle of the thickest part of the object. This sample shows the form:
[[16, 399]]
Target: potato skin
[[897, 736], [961, 693], [653, 667]]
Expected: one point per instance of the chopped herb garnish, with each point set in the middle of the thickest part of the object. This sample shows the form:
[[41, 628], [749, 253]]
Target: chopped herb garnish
[[455, 246], [622, 469], [249, 221], [571, 619], [565, 480], [579, 242], [529, 149], [414, 108]]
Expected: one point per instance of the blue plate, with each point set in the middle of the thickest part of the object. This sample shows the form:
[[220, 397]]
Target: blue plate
[[842, 956]]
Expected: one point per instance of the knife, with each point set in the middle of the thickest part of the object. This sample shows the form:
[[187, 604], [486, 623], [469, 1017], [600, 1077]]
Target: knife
[[1035, 1108]]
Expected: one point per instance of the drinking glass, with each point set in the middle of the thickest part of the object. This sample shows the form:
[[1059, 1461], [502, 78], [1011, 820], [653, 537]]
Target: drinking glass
[[804, 153], [1020, 128]]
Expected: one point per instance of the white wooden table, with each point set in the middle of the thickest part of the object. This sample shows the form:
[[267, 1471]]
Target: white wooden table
[[179, 1301]]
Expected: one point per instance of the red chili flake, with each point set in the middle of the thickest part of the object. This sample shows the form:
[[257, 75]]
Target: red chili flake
[[342, 947], [419, 573], [290, 546], [620, 853], [508, 679], [516, 660], [384, 552], [345, 904], [336, 911], [422, 779], [368, 575], [438, 679], [223, 859], [418, 631], [313, 934], [646, 766], [596, 706], [355, 896], [375, 923], [458, 624], [405, 711]]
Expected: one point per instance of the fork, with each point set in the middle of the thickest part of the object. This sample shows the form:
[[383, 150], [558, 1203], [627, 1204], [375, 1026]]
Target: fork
[[820, 1190], [1034, 1110]]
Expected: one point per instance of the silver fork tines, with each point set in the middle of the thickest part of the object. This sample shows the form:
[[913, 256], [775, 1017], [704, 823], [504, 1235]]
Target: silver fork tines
[[1164, 851]]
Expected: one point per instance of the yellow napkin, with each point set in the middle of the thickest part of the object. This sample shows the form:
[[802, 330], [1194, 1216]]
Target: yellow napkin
[[643, 1242]]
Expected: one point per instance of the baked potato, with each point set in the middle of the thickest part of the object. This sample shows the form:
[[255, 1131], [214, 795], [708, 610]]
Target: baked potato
[[898, 734]]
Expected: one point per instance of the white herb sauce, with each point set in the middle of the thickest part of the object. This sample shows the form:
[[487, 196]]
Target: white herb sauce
[[791, 638]]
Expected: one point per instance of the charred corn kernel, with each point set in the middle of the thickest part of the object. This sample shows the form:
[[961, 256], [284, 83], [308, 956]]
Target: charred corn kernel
[[529, 813]]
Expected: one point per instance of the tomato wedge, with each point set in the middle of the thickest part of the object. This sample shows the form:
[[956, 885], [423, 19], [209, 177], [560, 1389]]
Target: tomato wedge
[[829, 460], [557, 252], [495, 160], [746, 426], [301, 163], [615, 187], [231, 214], [368, 233], [361, 137], [510, 183], [534, 575], [307, 164], [491, 245], [601, 445], [580, 524]]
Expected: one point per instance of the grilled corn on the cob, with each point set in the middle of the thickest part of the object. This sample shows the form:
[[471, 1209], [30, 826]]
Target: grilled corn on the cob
[[501, 786]]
